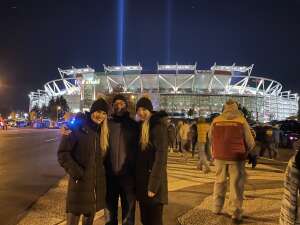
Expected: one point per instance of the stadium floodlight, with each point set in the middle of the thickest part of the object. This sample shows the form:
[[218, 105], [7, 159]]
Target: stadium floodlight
[[122, 68], [176, 67], [74, 71], [233, 68]]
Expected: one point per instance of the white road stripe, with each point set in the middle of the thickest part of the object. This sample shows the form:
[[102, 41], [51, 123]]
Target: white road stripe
[[50, 140]]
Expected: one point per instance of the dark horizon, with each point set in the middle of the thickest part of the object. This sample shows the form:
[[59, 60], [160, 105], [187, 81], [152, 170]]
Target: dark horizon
[[38, 37]]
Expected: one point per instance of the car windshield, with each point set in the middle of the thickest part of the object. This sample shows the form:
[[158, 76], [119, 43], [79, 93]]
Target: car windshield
[[291, 126]]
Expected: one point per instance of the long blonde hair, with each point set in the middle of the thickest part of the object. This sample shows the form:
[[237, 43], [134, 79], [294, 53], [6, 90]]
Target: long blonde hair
[[104, 136], [144, 139]]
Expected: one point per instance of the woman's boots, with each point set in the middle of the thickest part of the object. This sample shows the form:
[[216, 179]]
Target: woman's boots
[[73, 219]]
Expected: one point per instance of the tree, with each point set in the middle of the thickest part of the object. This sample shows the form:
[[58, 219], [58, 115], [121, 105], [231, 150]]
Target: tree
[[62, 102], [190, 113], [57, 107], [13, 115], [36, 109], [32, 115], [45, 111], [52, 107]]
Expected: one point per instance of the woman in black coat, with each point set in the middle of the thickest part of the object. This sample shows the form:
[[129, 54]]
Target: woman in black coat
[[81, 154], [151, 170]]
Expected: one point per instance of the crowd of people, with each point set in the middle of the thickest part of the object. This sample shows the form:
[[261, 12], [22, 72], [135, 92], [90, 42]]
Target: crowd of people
[[116, 157]]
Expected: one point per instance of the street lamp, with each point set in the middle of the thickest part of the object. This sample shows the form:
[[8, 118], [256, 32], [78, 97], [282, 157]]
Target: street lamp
[[58, 108]]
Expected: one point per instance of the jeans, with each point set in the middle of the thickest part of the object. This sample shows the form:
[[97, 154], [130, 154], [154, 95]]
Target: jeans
[[202, 163], [235, 170]]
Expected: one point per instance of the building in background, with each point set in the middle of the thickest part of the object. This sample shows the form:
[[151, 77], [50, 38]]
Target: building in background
[[174, 88]]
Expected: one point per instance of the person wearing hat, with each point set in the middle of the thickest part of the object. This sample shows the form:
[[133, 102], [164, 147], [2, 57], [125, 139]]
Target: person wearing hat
[[231, 140], [151, 170], [120, 163], [81, 154]]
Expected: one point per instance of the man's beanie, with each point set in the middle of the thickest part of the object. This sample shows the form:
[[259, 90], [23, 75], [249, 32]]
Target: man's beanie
[[120, 97], [145, 103], [99, 104]]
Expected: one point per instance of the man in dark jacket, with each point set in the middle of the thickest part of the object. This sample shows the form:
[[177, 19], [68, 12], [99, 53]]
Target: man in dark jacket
[[120, 163]]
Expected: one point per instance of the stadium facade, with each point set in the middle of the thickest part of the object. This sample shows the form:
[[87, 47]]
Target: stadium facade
[[174, 88]]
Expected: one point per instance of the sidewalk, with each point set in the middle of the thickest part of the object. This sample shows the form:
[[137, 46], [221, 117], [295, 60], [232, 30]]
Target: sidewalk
[[190, 197]]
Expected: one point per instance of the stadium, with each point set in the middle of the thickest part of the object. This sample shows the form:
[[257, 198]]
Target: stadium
[[174, 88]]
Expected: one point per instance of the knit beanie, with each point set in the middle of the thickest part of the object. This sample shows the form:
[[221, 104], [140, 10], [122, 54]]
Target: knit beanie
[[99, 104], [145, 103], [120, 97]]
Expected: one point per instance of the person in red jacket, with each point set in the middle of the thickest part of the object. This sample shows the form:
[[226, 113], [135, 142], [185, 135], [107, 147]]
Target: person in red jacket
[[231, 140]]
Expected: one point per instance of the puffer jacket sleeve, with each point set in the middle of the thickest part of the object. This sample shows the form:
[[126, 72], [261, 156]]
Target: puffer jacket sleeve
[[250, 142], [209, 133], [160, 142], [65, 158]]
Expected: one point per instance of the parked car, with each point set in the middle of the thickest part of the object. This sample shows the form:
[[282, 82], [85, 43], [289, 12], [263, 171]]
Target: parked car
[[290, 132]]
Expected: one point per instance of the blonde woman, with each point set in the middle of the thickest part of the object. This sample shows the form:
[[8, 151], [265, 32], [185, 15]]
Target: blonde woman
[[151, 172], [81, 154]]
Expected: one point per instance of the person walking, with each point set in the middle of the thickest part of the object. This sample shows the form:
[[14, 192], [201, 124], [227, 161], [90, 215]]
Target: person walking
[[276, 140], [231, 140], [171, 136], [268, 142], [81, 154], [151, 170], [120, 163], [202, 130], [178, 140], [184, 142], [193, 137]]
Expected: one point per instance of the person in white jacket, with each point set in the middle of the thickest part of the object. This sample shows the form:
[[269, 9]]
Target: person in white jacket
[[289, 212]]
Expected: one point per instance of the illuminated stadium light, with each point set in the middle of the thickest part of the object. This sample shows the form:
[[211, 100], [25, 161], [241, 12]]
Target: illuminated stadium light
[[74, 71], [122, 68], [176, 67], [233, 68]]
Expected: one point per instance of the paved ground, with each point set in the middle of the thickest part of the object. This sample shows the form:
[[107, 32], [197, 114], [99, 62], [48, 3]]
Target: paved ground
[[190, 196], [28, 168]]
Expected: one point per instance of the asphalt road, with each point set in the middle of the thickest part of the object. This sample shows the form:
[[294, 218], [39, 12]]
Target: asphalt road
[[28, 169]]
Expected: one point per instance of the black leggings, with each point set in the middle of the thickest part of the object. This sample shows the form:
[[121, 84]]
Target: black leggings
[[151, 214], [73, 219]]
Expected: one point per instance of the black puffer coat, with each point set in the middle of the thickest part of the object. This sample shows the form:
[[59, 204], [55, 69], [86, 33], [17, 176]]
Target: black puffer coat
[[151, 170], [79, 154], [121, 160]]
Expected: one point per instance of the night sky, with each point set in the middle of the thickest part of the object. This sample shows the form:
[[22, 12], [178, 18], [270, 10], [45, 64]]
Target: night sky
[[38, 36]]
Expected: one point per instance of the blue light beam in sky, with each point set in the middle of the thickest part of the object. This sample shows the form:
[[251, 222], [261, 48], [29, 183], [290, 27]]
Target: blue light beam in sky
[[168, 31], [120, 32]]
